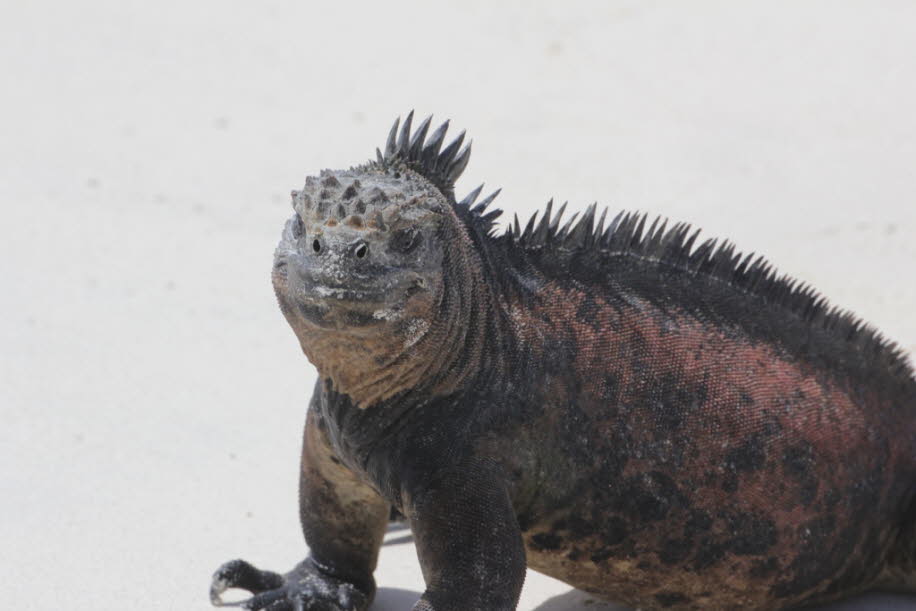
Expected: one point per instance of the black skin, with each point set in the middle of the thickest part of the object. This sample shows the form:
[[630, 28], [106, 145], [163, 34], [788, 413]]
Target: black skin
[[345, 521], [656, 434]]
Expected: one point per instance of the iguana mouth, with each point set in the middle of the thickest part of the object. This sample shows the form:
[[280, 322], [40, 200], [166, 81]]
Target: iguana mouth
[[320, 314], [311, 285], [324, 292]]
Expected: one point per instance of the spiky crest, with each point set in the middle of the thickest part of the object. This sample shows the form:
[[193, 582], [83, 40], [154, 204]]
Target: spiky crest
[[674, 248], [626, 235], [424, 156], [440, 168]]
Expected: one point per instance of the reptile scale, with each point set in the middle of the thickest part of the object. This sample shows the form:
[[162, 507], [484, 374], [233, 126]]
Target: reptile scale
[[659, 421]]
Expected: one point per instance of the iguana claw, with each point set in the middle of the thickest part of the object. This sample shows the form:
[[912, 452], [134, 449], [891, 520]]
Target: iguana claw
[[305, 587]]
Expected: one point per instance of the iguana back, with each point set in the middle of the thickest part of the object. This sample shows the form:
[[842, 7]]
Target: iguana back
[[724, 425]]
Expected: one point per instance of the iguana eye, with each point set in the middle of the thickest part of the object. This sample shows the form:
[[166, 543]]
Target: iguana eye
[[405, 240]]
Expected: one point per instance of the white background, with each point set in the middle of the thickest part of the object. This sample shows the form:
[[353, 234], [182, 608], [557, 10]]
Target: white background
[[151, 395]]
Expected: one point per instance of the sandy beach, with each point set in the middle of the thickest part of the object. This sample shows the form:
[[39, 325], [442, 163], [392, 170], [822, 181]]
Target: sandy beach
[[152, 395]]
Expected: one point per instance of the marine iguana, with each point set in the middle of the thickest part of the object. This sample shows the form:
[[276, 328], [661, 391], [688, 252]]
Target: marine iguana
[[660, 422]]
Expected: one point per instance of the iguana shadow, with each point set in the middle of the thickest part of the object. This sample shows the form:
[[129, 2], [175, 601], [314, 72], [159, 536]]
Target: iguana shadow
[[406, 535], [395, 599], [577, 599]]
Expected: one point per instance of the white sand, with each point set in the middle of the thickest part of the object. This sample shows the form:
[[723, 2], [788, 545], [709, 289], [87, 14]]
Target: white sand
[[151, 394]]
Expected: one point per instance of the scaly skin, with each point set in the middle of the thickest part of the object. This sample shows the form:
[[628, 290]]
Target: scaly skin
[[656, 425]]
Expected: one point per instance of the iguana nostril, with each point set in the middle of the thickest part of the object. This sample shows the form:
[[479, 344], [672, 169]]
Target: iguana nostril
[[360, 250], [316, 246]]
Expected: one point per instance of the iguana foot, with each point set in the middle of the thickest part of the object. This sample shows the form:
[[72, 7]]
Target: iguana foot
[[306, 588]]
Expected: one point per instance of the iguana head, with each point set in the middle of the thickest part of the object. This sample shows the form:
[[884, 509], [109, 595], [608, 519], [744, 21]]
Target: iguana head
[[373, 268], [362, 247]]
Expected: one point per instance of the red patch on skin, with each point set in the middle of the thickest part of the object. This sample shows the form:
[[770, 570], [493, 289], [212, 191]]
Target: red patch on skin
[[759, 403]]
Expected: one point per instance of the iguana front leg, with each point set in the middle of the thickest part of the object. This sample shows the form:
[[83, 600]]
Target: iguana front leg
[[468, 540], [343, 520]]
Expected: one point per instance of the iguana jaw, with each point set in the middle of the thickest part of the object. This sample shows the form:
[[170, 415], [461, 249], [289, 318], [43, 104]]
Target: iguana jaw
[[352, 307]]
